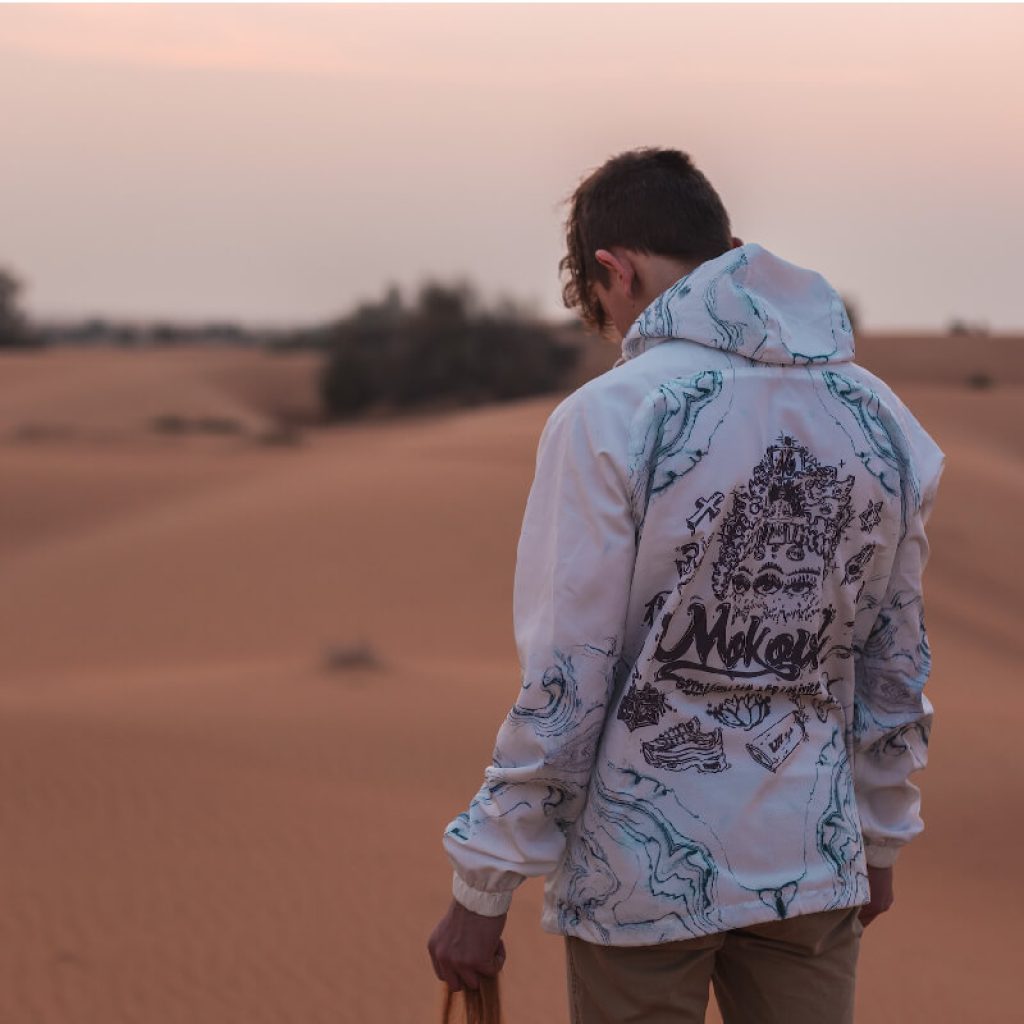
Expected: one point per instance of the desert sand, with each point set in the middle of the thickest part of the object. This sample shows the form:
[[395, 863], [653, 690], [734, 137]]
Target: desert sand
[[244, 685]]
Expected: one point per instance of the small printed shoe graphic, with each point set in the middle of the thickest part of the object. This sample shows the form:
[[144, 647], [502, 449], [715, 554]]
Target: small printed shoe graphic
[[686, 746]]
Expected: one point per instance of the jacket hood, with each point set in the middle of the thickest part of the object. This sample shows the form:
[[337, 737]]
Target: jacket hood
[[750, 302]]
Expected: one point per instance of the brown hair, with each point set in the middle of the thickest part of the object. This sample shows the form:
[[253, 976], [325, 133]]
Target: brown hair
[[650, 200]]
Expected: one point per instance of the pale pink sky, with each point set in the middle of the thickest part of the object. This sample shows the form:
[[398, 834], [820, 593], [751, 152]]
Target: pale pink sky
[[278, 163]]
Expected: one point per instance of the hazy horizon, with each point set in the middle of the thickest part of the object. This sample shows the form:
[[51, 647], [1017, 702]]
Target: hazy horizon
[[277, 164]]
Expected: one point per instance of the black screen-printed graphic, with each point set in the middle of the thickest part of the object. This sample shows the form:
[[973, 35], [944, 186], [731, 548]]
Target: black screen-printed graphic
[[640, 707], [855, 566], [707, 508], [748, 652], [771, 747], [825, 705], [779, 539], [688, 558], [693, 687], [686, 745], [744, 711], [871, 516], [654, 606]]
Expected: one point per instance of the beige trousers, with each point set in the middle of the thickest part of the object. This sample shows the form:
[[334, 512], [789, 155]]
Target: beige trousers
[[795, 971]]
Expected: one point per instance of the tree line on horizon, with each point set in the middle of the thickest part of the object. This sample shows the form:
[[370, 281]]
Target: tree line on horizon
[[446, 347]]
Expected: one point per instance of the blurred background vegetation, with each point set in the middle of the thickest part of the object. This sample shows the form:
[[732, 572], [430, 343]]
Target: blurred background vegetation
[[444, 347], [15, 331]]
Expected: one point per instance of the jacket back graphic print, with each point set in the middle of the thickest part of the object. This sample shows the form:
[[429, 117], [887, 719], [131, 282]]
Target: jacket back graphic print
[[719, 618]]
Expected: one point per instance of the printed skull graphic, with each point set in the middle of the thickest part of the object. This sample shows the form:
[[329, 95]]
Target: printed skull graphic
[[779, 540]]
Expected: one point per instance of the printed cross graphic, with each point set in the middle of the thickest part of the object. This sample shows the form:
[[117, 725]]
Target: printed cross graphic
[[707, 508]]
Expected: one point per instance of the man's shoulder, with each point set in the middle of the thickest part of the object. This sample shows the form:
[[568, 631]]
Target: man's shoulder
[[620, 387], [865, 377], [597, 397], [927, 457]]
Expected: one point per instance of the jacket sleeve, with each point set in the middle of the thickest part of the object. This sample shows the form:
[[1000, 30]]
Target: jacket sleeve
[[892, 714], [574, 571]]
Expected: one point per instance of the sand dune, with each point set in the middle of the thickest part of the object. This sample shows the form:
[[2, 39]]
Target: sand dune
[[204, 822], [87, 395]]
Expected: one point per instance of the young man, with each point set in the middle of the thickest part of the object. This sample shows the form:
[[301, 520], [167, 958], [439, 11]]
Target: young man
[[718, 614]]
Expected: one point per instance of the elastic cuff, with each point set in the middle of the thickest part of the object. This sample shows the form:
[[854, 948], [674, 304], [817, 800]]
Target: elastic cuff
[[489, 904], [880, 856]]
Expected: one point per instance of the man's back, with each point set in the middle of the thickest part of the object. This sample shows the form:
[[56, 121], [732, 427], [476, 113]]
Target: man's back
[[718, 616]]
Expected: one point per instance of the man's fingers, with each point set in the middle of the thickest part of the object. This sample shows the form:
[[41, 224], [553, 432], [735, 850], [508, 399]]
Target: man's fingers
[[451, 979], [434, 964], [870, 911], [469, 978], [464, 949], [446, 972], [458, 976]]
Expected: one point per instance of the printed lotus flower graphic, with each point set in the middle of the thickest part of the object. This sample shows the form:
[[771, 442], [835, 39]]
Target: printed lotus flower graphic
[[742, 712]]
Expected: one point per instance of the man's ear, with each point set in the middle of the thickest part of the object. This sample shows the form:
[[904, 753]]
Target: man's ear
[[620, 266]]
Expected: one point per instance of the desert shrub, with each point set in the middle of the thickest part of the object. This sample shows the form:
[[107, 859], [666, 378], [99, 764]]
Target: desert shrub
[[980, 381], [218, 425], [42, 432], [341, 657], [14, 326], [446, 348], [172, 423], [280, 434], [169, 423], [958, 326]]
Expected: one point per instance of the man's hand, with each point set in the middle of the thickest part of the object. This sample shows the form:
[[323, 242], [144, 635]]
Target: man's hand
[[465, 945], [880, 881]]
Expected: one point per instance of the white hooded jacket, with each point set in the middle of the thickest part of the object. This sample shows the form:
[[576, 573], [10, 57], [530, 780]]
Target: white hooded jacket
[[718, 614]]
